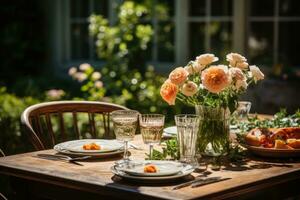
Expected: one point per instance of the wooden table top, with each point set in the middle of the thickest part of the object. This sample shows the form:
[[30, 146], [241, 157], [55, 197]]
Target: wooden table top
[[95, 176]]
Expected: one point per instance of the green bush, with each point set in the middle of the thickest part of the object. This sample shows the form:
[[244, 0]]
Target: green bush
[[12, 139], [126, 78]]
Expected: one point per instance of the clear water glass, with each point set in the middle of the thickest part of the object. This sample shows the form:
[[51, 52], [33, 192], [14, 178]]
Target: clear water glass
[[243, 110], [151, 126], [187, 129], [125, 124]]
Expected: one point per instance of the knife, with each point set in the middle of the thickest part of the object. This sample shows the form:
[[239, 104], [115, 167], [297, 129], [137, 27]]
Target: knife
[[206, 182], [200, 180]]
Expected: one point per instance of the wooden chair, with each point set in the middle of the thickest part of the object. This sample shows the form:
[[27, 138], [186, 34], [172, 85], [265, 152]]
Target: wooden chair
[[53, 122]]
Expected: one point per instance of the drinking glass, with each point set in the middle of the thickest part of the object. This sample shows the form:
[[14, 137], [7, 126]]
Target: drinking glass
[[187, 129], [151, 126], [125, 124], [243, 110]]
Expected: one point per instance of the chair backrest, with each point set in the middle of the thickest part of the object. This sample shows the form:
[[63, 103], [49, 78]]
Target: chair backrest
[[2, 153], [53, 122]]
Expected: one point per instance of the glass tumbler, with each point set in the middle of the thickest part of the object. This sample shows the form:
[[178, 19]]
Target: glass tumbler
[[243, 110], [187, 129]]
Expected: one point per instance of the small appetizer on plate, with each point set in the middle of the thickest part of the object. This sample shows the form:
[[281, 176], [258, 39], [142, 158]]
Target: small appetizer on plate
[[150, 169], [91, 146]]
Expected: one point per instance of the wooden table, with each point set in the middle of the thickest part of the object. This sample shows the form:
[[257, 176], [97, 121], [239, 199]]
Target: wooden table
[[33, 176]]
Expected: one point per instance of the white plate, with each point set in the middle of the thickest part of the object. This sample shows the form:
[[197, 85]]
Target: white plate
[[188, 169], [61, 149], [164, 168], [105, 145], [172, 130]]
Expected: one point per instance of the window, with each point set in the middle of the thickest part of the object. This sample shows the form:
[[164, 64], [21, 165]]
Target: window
[[274, 32], [210, 27], [266, 31], [82, 46], [162, 21]]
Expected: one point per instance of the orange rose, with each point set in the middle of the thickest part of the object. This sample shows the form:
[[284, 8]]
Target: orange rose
[[178, 76], [215, 79], [168, 92]]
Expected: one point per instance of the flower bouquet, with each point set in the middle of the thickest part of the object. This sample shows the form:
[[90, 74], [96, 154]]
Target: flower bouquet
[[213, 90]]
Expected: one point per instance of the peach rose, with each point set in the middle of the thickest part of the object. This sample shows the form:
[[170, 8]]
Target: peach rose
[[256, 73], [215, 79], [168, 92], [178, 76], [189, 89], [236, 73], [206, 59], [242, 65]]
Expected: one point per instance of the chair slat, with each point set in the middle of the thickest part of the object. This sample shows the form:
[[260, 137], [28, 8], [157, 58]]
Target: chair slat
[[62, 126], [104, 125], [39, 125], [92, 124], [50, 128], [75, 122]]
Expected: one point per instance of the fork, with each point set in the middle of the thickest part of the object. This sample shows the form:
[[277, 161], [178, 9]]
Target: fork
[[63, 158]]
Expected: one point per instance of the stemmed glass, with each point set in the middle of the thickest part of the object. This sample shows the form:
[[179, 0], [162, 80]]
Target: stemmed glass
[[151, 126], [125, 124]]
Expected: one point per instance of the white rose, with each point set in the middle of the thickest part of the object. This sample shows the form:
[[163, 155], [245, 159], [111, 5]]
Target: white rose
[[206, 59], [72, 71], [96, 76], [189, 89], [241, 84], [234, 58], [236, 73], [256, 73], [84, 66]]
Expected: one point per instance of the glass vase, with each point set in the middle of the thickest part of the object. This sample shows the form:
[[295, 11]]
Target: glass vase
[[213, 134]]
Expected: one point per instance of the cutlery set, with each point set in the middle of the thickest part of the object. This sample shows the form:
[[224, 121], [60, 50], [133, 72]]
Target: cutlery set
[[200, 181]]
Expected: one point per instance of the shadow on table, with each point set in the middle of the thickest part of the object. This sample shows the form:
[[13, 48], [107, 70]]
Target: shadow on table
[[158, 183], [259, 163]]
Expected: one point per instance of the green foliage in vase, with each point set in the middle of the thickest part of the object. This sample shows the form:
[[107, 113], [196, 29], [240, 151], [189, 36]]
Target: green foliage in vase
[[213, 130]]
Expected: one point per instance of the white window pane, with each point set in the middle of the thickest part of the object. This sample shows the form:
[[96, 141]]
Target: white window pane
[[289, 43], [196, 39], [262, 7], [197, 8], [289, 8], [260, 43], [79, 41], [221, 7], [220, 38]]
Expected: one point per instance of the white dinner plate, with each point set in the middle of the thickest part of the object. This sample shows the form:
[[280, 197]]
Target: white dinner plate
[[187, 170], [164, 168], [105, 145], [61, 148], [170, 131]]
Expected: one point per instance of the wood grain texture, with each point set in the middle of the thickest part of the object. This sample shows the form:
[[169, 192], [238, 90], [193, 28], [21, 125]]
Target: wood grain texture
[[95, 177]]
